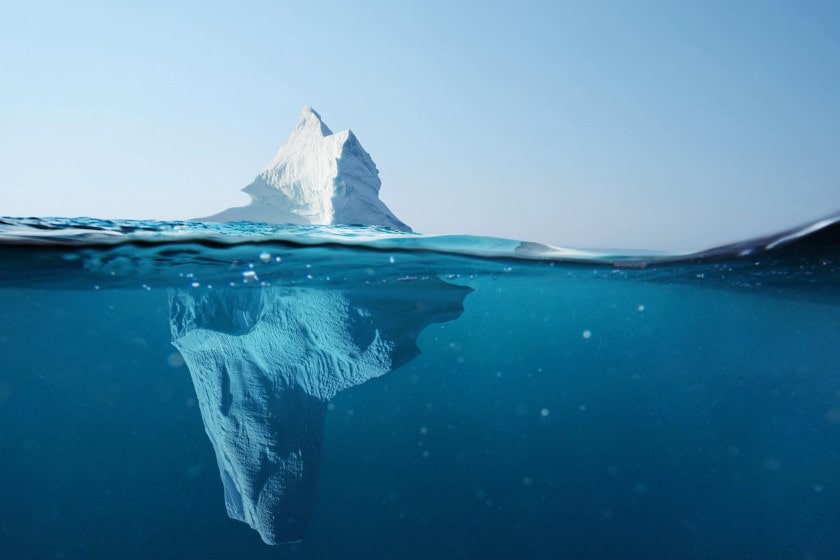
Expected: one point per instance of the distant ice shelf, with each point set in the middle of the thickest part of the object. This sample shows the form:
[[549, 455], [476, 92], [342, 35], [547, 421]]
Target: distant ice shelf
[[317, 177]]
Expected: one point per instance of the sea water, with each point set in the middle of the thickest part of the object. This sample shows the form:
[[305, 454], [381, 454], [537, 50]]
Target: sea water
[[567, 405]]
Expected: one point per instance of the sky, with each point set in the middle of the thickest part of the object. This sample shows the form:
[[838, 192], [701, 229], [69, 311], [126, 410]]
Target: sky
[[663, 125]]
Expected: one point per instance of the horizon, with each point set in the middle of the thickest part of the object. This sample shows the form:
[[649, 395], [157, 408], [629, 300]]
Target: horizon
[[655, 127]]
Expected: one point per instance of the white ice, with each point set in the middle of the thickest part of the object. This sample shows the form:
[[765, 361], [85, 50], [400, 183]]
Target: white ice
[[265, 363], [317, 177]]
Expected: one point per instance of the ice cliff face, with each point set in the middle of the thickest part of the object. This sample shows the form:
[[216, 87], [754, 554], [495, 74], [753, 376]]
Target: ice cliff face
[[317, 177], [265, 363]]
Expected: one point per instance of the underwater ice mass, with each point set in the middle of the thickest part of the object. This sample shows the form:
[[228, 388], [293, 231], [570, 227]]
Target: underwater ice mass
[[266, 362]]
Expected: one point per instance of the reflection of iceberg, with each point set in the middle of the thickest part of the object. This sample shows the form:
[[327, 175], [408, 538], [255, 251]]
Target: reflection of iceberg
[[266, 361]]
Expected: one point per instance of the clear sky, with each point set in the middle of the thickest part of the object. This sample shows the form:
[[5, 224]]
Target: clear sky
[[632, 124]]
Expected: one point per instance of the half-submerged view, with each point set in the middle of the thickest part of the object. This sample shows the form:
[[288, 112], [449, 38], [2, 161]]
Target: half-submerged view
[[368, 392]]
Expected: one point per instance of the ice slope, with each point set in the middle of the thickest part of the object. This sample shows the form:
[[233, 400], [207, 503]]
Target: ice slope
[[265, 363], [317, 177]]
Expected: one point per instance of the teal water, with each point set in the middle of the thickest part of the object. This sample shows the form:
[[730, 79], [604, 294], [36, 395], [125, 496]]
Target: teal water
[[567, 405]]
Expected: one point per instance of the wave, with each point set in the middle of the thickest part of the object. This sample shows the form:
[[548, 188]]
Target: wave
[[819, 236]]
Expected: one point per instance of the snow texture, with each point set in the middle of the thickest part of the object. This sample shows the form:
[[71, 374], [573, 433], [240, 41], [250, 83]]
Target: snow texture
[[317, 177], [265, 363]]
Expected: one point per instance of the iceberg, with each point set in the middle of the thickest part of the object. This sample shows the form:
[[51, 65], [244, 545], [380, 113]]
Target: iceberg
[[317, 177], [265, 363]]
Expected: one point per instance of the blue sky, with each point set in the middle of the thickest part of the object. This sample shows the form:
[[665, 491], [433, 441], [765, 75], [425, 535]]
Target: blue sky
[[659, 125]]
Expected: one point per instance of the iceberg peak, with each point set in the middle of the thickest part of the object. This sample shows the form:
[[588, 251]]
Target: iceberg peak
[[310, 119], [316, 177]]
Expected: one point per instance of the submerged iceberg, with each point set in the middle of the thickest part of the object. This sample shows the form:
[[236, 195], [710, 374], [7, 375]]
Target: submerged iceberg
[[317, 177], [265, 363]]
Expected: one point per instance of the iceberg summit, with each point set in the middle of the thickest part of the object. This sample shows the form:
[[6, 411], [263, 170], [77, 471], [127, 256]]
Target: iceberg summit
[[317, 177]]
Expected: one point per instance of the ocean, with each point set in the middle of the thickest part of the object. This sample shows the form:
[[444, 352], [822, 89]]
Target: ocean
[[187, 390]]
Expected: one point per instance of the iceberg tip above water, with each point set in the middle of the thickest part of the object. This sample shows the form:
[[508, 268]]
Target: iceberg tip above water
[[317, 177]]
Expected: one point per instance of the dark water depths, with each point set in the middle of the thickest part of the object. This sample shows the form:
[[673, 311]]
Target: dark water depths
[[689, 408]]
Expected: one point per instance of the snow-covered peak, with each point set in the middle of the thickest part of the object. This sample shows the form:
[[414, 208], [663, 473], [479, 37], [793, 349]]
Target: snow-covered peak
[[309, 119], [316, 177]]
